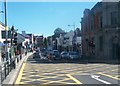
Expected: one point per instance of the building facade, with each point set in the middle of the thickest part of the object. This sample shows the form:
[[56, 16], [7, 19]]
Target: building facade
[[39, 42], [49, 43], [100, 31]]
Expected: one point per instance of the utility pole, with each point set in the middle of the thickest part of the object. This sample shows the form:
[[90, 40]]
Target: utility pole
[[6, 30]]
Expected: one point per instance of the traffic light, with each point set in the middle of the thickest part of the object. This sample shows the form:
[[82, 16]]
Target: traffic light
[[91, 44], [15, 38]]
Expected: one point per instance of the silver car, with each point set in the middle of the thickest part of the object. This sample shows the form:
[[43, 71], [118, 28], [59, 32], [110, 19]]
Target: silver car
[[64, 55], [73, 55]]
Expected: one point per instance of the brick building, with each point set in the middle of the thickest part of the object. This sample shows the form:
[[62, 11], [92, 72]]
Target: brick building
[[101, 31]]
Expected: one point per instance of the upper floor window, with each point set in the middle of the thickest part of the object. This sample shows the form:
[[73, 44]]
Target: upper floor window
[[101, 43], [113, 18], [101, 23], [92, 24]]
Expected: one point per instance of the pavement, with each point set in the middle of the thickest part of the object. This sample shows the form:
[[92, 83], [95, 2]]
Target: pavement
[[67, 72], [10, 79]]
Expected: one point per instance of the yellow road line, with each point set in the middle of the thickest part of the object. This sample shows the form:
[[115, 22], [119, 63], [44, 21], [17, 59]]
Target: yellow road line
[[20, 74], [110, 71], [108, 75], [74, 79], [89, 69]]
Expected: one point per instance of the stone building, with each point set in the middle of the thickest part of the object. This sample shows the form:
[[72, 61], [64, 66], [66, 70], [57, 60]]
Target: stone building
[[100, 31]]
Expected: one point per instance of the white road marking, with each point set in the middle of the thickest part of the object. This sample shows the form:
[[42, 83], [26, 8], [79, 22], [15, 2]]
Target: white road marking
[[97, 78]]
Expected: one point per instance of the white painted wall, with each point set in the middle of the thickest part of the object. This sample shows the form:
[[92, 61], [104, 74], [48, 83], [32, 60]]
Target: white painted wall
[[70, 36], [78, 40]]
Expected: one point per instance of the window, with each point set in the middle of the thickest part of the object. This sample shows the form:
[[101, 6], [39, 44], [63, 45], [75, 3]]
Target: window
[[101, 22], [113, 18], [92, 25], [4, 34], [101, 43]]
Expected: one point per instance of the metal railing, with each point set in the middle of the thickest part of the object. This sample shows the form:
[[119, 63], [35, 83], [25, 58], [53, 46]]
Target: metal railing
[[7, 66], [5, 69]]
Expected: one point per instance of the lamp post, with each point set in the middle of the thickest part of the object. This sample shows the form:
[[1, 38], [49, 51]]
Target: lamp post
[[74, 33], [73, 26], [6, 48]]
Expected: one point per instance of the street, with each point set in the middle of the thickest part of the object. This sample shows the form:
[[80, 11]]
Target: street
[[59, 43], [42, 71]]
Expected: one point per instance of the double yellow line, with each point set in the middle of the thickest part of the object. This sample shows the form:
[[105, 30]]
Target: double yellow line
[[21, 71], [20, 74]]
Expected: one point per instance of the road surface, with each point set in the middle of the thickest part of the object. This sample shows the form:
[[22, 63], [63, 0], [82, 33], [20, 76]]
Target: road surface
[[42, 71]]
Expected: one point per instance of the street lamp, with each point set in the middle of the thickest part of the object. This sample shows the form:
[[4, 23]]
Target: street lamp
[[73, 26], [74, 34]]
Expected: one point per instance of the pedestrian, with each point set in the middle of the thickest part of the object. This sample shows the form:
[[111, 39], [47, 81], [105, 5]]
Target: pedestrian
[[50, 57], [3, 56], [25, 52]]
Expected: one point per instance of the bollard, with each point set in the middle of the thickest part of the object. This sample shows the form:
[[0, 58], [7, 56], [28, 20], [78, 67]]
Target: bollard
[[14, 65], [20, 56], [17, 59], [1, 73], [8, 67], [5, 69]]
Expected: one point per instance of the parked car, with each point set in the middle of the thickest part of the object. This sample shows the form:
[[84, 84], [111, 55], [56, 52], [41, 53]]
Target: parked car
[[56, 55], [49, 52], [44, 52], [50, 56], [74, 55], [64, 55], [36, 54]]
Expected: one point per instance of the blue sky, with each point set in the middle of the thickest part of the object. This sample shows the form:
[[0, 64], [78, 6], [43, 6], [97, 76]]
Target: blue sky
[[45, 17]]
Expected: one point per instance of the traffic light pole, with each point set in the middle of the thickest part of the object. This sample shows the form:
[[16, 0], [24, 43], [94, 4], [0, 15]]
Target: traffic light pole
[[6, 48], [11, 48]]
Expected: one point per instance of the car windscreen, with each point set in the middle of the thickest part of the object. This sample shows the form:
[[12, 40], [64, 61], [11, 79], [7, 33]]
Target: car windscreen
[[64, 53], [73, 53]]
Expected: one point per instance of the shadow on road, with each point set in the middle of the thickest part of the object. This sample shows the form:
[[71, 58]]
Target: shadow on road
[[77, 61]]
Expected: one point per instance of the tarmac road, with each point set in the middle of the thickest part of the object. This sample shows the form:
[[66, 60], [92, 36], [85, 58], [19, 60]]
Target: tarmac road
[[61, 72]]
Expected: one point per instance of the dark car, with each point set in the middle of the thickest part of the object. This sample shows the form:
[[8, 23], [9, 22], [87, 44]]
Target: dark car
[[64, 55], [36, 54], [56, 55], [74, 55], [44, 52], [50, 52]]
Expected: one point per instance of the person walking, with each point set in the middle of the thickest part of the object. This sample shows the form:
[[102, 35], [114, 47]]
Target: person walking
[[3, 56], [26, 52], [50, 57]]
